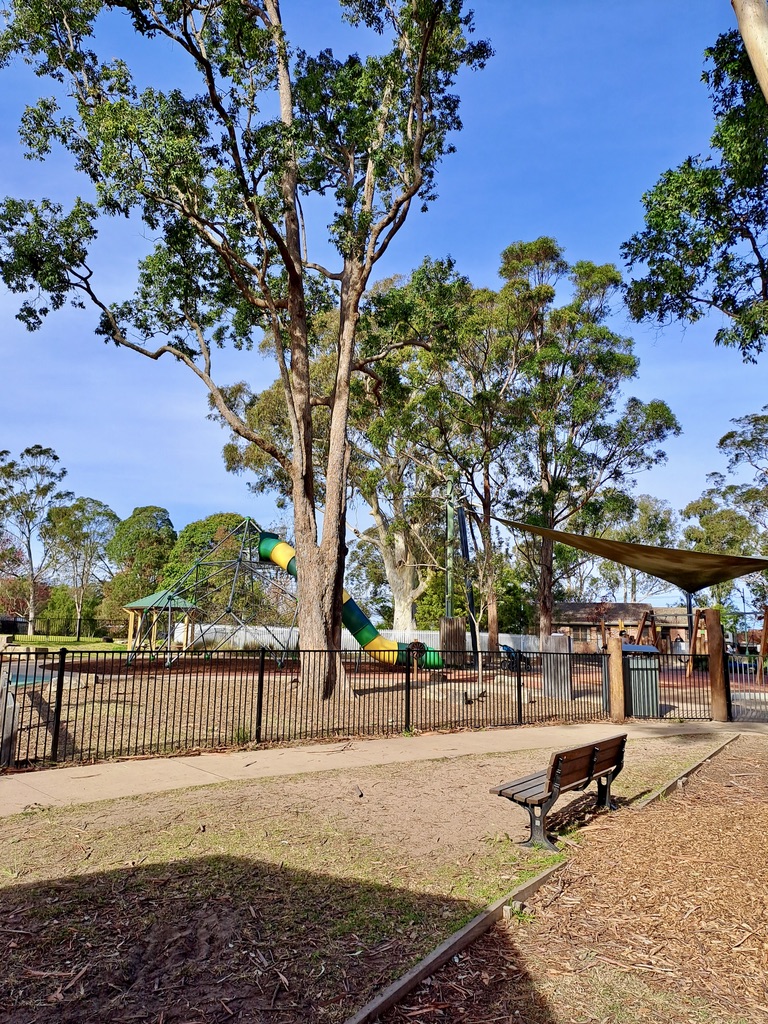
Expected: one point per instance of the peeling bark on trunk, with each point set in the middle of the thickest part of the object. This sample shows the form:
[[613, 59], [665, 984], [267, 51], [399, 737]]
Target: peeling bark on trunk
[[404, 584]]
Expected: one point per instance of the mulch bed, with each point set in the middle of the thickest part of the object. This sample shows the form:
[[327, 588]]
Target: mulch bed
[[660, 915]]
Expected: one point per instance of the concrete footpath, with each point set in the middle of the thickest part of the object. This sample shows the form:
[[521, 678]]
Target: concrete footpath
[[82, 784]]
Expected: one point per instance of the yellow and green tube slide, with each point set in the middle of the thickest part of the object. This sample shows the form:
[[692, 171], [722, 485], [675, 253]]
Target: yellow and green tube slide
[[391, 652]]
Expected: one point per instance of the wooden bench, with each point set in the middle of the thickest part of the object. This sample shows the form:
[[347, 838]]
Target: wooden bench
[[568, 769]]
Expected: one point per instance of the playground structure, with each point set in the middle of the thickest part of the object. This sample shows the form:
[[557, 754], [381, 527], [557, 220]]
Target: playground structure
[[216, 602], [224, 597]]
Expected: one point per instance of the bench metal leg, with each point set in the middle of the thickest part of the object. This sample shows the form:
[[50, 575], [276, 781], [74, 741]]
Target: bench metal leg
[[604, 800], [538, 816]]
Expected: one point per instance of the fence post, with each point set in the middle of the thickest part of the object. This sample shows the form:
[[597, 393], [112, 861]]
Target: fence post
[[260, 695], [717, 678], [57, 705], [616, 678], [519, 685], [408, 655]]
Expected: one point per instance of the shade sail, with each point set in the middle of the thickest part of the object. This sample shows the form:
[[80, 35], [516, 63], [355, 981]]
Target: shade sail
[[689, 570]]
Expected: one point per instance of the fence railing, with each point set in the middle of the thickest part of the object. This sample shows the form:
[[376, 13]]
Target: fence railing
[[60, 630], [82, 706]]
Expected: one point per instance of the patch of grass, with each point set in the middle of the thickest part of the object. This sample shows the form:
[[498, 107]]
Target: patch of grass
[[92, 644], [624, 997]]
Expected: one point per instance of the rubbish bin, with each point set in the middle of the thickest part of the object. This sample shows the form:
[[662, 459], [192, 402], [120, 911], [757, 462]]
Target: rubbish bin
[[641, 680]]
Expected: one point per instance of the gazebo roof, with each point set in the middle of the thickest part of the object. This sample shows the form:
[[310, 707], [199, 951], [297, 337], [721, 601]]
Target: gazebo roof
[[161, 599]]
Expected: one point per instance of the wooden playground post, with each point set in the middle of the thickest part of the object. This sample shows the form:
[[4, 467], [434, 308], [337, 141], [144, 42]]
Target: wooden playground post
[[692, 642], [640, 628], [716, 649], [763, 646], [616, 678]]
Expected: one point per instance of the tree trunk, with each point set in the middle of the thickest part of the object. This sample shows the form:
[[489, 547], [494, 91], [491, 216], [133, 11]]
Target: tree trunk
[[493, 620], [403, 583], [403, 619], [31, 594], [79, 613], [752, 17], [320, 578], [319, 582], [320, 575], [546, 576], [31, 609]]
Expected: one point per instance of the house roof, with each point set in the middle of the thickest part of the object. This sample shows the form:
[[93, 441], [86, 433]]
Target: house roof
[[595, 611]]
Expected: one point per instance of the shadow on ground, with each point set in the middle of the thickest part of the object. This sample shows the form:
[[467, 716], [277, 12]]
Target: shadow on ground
[[209, 939], [487, 982]]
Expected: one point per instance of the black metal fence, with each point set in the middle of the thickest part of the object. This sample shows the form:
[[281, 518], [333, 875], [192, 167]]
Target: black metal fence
[[61, 630], [748, 689], [76, 706]]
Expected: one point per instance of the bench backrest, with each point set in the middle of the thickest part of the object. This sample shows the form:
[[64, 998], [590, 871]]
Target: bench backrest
[[575, 768]]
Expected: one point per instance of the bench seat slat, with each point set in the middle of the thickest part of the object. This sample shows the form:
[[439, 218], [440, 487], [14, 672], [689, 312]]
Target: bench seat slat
[[515, 783], [518, 793], [533, 793]]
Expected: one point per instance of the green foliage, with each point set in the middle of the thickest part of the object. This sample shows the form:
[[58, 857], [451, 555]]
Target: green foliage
[[718, 527], [139, 548], [704, 242], [516, 603], [28, 492], [61, 608], [733, 516], [28, 489], [219, 171], [431, 605], [11, 557], [576, 447], [366, 580], [196, 541], [77, 536], [508, 399]]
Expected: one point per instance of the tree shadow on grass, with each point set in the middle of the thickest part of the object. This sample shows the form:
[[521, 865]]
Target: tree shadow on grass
[[209, 939], [489, 981]]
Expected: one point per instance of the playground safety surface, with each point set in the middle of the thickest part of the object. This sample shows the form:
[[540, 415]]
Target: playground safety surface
[[232, 902]]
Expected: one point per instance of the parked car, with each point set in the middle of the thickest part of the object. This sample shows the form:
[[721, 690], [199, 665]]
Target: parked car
[[742, 665]]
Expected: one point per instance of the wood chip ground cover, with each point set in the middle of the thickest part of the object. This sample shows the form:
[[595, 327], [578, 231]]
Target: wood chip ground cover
[[282, 900], [659, 915]]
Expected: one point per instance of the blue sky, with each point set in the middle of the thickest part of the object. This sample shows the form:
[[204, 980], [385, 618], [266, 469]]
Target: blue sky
[[584, 105]]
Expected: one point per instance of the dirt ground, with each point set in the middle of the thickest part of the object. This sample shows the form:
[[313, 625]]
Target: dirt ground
[[293, 900], [659, 915]]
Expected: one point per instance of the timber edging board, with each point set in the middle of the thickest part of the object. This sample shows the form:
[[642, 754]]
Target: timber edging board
[[679, 780], [392, 995]]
